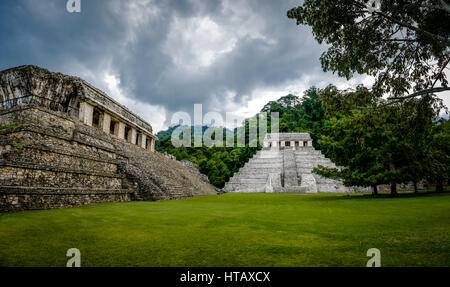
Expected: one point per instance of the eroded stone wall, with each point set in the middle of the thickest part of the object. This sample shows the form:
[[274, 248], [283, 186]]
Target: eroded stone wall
[[48, 159], [32, 85]]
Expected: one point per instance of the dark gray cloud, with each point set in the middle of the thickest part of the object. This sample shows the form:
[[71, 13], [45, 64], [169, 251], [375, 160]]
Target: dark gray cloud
[[159, 57]]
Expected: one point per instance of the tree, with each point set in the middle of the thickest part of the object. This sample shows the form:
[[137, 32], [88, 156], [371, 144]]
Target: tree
[[219, 164], [312, 115], [419, 118], [438, 164], [375, 143], [404, 44], [307, 116]]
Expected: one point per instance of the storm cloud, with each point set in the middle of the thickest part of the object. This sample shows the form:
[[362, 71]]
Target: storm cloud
[[160, 57]]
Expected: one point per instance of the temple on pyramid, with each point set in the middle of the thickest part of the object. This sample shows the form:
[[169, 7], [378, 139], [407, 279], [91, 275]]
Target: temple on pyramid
[[285, 165]]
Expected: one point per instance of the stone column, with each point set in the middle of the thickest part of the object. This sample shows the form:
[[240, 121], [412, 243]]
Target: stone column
[[132, 136], [121, 131], [274, 144], [300, 143], [105, 122], [151, 145], [142, 140], [293, 145], [310, 143], [283, 144], [86, 113]]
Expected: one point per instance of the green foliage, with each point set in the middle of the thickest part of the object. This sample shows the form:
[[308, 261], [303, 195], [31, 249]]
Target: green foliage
[[17, 145], [306, 117], [404, 45], [165, 134], [438, 160], [376, 143], [220, 163], [10, 126]]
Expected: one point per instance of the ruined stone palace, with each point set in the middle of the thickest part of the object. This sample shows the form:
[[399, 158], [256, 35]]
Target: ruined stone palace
[[65, 143], [285, 164]]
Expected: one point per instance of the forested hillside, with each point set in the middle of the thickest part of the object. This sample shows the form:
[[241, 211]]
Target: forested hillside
[[219, 163], [375, 143]]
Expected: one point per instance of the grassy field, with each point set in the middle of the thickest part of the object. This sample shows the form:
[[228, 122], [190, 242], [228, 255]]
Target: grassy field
[[235, 230]]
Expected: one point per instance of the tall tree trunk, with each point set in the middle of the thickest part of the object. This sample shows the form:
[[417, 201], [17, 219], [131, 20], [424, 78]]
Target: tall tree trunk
[[416, 190], [439, 186], [393, 183], [394, 188], [375, 189]]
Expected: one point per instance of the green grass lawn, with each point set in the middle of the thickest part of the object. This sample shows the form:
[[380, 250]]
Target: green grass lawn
[[235, 230]]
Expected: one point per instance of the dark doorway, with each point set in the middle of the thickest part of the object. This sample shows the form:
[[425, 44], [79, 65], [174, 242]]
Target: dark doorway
[[96, 118], [128, 133], [114, 128], [138, 136]]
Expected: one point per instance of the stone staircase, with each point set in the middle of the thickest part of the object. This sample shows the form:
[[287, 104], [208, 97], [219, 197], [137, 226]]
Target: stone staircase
[[290, 175], [51, 161], [285, 170], [306, 159], [159, 178], [253, 177]]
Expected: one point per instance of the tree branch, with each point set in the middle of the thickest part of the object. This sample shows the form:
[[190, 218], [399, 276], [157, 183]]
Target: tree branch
[[398, 40], [445, 6], [361, 5], [440, 72], [421, 93], [413, 28]]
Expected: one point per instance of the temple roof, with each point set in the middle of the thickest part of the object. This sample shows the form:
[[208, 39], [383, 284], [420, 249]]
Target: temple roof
[[58, 91], [287, 137]]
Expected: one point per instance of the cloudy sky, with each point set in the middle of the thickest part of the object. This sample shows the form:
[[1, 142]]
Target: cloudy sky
[[158, 57]]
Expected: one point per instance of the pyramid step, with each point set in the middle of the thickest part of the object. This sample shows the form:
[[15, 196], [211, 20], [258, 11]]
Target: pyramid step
[[236, 186], [251, 176], [266, 161], [295, 166], [248, 190], [249, 181], [332, 188], [263, 165]]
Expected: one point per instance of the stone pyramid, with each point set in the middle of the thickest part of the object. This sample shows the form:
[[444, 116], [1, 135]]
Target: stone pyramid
[[285, 164]]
